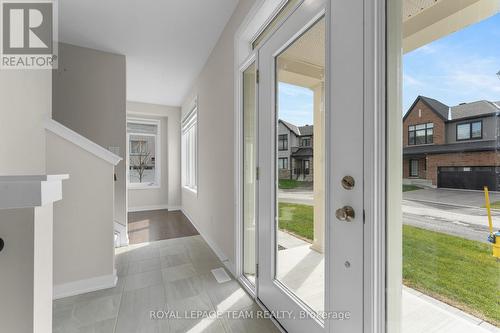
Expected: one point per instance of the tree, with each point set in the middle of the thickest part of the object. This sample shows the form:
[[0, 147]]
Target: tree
[[139, 158]]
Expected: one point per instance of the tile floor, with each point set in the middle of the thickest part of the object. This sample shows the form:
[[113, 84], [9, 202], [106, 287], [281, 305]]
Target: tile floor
[[169, 275]]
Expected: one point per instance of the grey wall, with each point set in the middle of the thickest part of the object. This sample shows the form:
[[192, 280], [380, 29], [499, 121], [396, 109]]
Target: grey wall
[[212, 208], [169, 193], [489, 129], [89, 96], [83, 220]]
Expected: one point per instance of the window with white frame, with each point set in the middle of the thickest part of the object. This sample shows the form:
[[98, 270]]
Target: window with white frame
[[190, 150], [143, 153]]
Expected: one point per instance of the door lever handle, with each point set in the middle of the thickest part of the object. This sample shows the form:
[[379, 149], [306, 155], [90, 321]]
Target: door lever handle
[[345, 213]]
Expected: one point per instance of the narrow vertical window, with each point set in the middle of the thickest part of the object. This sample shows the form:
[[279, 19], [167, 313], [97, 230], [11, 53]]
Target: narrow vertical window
[[190, 150]]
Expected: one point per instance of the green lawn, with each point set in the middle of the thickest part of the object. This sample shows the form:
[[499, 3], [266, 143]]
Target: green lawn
[[407, 188], [297, 219], [287, 183], [495, 205], [457, 271]]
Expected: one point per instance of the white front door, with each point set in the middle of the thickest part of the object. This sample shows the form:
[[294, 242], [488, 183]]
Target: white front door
[[310, 214]]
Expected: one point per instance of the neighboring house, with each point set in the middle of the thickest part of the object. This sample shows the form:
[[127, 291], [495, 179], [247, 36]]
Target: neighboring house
[[452, 147], [295, 151]]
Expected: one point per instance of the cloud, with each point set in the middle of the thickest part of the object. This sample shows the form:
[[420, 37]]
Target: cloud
[[427, 49], [410, 80]]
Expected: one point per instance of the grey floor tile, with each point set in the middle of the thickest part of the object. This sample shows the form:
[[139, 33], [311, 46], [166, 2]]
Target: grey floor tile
[[143, 280], [178, 272], [167, 275], [172, 249], [143, 253], [183, 288], [206, 266], [89, 312], [205, 325], [172, 260], [200, 302], [117, 290], [228, 296], [142, 266], [107, 326], [135, 310], [251, 326]]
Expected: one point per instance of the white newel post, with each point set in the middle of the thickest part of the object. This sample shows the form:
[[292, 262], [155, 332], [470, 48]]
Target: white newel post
[[26, 258]]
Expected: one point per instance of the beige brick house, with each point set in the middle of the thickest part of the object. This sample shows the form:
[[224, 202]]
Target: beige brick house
[[452, 147]]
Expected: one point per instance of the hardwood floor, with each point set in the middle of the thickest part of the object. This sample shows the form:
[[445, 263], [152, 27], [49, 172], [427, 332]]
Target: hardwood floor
[[157, 225]]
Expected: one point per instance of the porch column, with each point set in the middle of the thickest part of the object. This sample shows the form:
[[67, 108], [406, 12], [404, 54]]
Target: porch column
[[318, 168]]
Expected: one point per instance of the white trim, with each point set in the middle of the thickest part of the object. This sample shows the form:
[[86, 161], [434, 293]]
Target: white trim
[[259, 16], [81, 141], [153, 207], [393, 241], [220, 254], [374, 302], [30, 191], [85, 286]]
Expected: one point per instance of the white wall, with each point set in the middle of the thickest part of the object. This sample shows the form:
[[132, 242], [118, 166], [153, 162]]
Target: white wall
[[83, 221], [25, 100], [168, 195], [212, 209]]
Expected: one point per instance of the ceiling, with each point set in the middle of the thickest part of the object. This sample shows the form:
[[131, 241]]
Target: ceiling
[[166, 42], [412, 8]]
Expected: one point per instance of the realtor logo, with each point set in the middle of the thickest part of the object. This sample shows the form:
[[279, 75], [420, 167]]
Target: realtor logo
[[28, 35]]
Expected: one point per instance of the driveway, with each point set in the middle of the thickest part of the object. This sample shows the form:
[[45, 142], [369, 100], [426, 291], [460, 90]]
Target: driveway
[[451, 197]]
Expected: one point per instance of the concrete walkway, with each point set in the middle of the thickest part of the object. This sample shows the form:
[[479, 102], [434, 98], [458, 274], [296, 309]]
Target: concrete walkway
[[422, 313], [302, 271]]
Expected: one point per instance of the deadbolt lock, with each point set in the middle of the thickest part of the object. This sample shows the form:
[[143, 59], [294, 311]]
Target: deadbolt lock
[[348, 182], [345, 213]]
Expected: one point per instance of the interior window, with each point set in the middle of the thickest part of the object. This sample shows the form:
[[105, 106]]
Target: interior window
[[143, 140]]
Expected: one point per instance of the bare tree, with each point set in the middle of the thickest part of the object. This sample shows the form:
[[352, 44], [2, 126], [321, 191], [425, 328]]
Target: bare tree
[[140, 159]]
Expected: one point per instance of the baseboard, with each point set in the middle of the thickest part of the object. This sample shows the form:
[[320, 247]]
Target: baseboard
[[85, 286], [218, 252], [153, 207]]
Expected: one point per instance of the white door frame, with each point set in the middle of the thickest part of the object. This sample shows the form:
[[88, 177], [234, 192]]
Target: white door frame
[[272, 293], [376, 148]]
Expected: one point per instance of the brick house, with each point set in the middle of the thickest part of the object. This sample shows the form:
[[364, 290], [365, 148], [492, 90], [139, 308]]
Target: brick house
[[452, 147]]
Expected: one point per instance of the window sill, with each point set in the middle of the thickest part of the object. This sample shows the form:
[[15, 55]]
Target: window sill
[[143, 187]]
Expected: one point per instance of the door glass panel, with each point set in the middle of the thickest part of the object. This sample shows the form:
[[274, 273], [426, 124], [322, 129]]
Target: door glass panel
[[300, 182], [249, 168]]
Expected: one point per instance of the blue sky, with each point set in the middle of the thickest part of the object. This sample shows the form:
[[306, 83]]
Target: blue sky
[[295, 104], [458, 68]]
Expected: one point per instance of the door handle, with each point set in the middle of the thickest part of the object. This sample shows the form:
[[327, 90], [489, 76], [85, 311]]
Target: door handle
[[345, 213]]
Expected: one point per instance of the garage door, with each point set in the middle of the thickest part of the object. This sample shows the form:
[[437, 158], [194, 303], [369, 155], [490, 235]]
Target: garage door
[[471, 178]]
